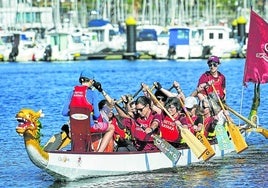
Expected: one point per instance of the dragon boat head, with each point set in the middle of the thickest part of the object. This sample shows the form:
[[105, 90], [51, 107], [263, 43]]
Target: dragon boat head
[[28, 119]]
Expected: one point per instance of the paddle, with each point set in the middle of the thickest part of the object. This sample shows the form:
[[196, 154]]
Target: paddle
[[237, 138], [194, 144], [200, 136], [171, 152], [135, 95], [223, 139], [57, 141], [254, 127]]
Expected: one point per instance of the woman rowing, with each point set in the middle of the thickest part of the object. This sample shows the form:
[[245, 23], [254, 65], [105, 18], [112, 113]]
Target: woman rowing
[[145, 125], [169, 129]]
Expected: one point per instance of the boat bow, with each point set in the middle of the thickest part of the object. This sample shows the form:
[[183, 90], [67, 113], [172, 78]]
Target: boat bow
[[29, 127]]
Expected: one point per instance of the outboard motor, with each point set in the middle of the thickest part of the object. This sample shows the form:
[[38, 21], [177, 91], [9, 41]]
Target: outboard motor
[[14, 53], [171, 52], [47, 53]]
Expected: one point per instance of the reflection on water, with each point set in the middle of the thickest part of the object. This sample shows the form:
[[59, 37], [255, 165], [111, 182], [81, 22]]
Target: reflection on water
[[45, 86]]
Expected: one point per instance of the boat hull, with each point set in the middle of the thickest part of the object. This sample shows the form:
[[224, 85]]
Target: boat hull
[[66, 165]]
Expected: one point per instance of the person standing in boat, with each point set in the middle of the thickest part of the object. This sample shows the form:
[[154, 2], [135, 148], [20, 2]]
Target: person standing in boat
[[213, 76], [86, 96], [145, 125]]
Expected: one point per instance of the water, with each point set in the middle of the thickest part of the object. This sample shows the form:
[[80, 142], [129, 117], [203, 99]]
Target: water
[[45, 86]]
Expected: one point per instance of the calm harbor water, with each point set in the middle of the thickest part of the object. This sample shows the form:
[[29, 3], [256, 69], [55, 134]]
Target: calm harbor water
[[46, 85]]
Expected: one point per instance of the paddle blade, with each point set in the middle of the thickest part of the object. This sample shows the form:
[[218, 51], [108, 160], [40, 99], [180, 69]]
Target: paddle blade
[[57, 142], [209, 150], [171, 152], [65, 143], [194, 144], [223, 139], [263, 131], [237, 138]]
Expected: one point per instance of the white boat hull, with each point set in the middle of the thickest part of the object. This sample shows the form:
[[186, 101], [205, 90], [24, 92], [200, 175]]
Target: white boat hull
[[71, 166]]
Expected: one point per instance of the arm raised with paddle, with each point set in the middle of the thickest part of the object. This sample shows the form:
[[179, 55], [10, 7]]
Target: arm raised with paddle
[[172, 153], [194, 144], [200, 136]]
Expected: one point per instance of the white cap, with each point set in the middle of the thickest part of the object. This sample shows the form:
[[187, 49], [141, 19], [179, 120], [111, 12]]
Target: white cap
[[190, 102]]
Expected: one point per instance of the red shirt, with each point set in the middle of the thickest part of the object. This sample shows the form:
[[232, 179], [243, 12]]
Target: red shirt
[[219, 83]]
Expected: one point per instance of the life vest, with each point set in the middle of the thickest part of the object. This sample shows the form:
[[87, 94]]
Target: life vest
[[118, 132], [142, 124], [79, 98], [219, 83], [80, 110], [169, 130], [207, 128], [186, 121]]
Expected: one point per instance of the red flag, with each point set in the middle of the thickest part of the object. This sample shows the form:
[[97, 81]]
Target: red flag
[[256, 66]]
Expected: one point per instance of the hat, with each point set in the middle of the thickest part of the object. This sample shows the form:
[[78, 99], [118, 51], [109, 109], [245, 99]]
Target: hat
[[214, 58], [190, 102], [87, 74]]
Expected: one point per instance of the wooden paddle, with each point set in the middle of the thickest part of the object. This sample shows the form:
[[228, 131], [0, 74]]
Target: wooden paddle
[[223, 139], [254, 127], [200, 136], [57, 142], [135, 95], [236, 136], [194, 144]]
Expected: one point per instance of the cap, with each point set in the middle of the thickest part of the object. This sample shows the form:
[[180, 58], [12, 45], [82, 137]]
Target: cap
[[214, 58], [87, 74], [190, 102]]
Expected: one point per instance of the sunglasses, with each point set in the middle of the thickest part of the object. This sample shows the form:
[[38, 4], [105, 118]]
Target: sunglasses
[[84, 79], [160, 98], [203, 105], [140, 109], [210, 64], [189, 109]]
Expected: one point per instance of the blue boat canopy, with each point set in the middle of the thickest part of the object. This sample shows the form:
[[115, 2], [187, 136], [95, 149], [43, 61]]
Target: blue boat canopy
[[147, 35], [179, 36], [97, 23]]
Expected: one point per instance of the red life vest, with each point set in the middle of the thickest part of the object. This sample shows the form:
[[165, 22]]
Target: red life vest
[[142, 124], [186, 121], [79, 98], [117, 130], [169, 130], [207, 123]]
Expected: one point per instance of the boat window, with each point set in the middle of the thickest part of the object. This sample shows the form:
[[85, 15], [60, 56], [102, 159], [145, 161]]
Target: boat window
[[77, 39], [147, 35], [220, 35], [7, 39], [100, 35], [211, 35]]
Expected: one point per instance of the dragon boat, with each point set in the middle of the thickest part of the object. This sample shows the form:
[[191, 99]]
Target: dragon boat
[[76, 163], [80, 161]]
